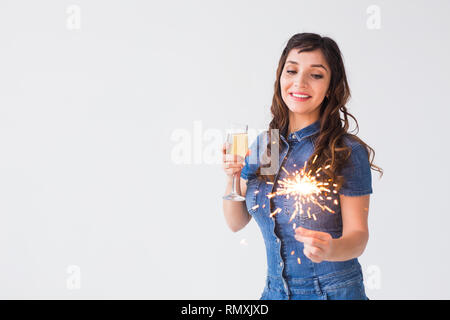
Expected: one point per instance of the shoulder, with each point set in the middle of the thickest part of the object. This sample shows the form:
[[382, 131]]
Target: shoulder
[[356, 170], [252, 160], [359, 154], [350, 140]]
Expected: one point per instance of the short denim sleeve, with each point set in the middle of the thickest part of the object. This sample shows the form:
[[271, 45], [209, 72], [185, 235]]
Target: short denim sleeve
[[251, 163], [357, 174]]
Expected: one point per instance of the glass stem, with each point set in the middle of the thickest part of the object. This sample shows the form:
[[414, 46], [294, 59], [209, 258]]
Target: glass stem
[[234, 184]]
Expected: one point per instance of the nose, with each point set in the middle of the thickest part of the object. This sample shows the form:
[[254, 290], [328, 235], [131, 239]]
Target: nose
[[301, 81]]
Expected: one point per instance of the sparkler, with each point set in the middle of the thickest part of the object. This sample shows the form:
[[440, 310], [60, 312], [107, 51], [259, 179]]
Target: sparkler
[[305, 188]]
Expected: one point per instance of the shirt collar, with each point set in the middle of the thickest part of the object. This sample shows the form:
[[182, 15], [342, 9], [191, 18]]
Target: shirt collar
[[305, 132]]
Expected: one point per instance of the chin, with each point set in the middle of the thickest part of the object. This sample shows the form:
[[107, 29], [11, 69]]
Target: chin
[[300, 109]]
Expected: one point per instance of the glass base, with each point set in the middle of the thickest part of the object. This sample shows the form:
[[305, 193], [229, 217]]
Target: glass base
[[234, 197]]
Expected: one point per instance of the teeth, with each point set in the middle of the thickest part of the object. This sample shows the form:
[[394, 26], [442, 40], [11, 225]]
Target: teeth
[[299, 95]]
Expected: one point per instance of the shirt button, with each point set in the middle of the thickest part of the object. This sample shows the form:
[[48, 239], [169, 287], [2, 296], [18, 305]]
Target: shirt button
[[281, 264], [278, 240]]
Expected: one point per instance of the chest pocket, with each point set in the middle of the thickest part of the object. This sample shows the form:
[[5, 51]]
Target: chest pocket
[[256, 198], [317, 219], [251, 196]]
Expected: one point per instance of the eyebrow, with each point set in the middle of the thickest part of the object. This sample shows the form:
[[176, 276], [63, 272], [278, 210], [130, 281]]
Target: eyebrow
[[313, 65]]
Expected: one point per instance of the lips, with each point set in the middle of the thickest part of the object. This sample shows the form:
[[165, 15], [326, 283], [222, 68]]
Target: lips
[[299, 96]]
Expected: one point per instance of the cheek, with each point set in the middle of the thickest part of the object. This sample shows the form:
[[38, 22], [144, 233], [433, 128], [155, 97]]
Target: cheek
[[283, 84], [321, 91], [322, 87]]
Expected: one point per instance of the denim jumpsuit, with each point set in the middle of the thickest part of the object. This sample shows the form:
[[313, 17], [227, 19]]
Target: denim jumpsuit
[[290, 274]]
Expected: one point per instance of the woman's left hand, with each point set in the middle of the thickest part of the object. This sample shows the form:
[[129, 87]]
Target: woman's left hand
[[317, 244]]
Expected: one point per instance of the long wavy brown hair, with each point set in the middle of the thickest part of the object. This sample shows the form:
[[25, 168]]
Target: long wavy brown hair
[[330, 150]]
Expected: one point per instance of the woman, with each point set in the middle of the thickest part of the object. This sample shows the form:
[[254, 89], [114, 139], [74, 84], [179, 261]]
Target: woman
[[312, 251]]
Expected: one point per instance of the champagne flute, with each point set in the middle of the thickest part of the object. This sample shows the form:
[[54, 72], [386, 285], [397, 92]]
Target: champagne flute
[[237, 138]]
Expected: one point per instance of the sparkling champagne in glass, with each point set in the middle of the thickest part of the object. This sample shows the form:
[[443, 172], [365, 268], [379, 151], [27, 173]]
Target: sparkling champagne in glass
[[237, 138]]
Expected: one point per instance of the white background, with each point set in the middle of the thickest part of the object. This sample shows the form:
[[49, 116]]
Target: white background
[[88, 109]]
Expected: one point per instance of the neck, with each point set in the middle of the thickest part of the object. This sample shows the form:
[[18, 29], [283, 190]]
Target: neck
[[297, 122]]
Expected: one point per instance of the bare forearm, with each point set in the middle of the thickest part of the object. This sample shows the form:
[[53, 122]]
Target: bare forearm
[[349, 246]]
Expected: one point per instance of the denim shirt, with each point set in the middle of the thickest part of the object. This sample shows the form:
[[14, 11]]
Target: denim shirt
[[286, 261]]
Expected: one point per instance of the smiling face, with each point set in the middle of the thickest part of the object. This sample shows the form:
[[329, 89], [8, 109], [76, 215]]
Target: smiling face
[[304, 82]]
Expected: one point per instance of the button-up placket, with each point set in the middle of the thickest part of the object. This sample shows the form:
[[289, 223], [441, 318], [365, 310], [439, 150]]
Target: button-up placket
[[271, 209], [281, 263]]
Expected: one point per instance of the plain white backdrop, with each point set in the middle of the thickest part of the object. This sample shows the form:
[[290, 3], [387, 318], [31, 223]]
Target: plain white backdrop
[[97, 98]]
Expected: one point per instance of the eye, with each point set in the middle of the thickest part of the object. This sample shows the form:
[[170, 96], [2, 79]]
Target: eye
[[317, 76], [291, 71]]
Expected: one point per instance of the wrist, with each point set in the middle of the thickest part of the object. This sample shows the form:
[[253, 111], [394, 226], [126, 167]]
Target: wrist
[[230, 178], [333, 252], [348, 247]]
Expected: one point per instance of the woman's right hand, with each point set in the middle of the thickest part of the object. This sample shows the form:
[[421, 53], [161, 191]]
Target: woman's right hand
[[232, 164]]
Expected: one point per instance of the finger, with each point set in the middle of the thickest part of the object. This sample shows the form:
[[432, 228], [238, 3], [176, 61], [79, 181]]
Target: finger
[[232, 165], [225, 146], [312, 233], [239, 158], [318, 252], [232, 161], [232, 171], [315, 259], [233, 157], [311, 241], [311, 256], [229, 158]]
